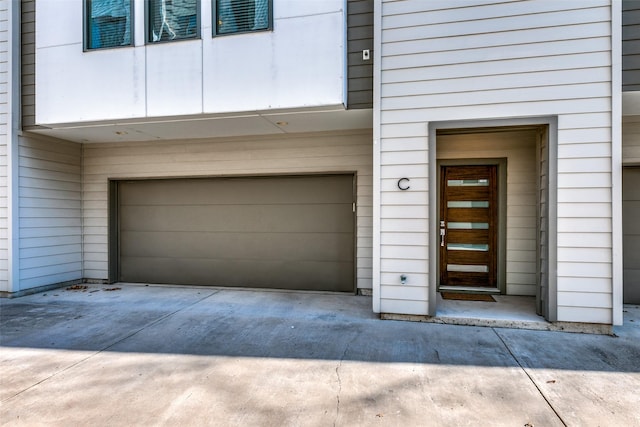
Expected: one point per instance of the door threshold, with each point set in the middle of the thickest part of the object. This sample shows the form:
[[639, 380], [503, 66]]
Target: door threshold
[[469, 289], [514, 312]]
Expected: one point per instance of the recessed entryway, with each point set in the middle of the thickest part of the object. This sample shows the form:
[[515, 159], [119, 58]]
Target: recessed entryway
[[492, 214], [283, 232]]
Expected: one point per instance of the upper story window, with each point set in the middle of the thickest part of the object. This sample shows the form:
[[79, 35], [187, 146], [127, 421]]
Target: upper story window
[[173, 20], [109, 23], [241, 16]]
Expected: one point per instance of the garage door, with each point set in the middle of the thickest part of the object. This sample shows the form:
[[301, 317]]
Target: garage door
[[631, 230], [271, 232]]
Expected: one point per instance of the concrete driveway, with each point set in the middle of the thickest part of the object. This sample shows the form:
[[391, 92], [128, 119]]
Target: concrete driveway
[[190, 356]]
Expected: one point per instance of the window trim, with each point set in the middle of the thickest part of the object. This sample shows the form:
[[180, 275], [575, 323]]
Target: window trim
[[214, 21], [148, 28], [86, 28]]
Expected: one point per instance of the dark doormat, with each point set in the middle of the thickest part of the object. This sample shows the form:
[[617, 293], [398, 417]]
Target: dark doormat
[[467, 297]]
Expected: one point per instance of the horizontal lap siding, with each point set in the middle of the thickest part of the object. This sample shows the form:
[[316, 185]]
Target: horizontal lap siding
[[28, 65], [584, 224], [359, 37], [4, 221], [50, 212], [4, 141], [444, 61], [403, 225], [630, 45], [293, 154]]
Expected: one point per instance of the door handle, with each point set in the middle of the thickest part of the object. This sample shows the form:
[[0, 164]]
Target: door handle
[[442, 233]]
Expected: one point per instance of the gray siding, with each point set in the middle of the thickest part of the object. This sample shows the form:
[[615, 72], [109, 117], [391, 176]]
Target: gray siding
[[50, 215], [630, 45], [28, 63], [359, 37]]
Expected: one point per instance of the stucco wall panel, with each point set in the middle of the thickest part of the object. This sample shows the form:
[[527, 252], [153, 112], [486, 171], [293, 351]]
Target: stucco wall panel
[[301, 63]]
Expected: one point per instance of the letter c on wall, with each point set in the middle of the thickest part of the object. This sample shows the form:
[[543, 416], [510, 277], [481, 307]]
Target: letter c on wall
[[403, 184]]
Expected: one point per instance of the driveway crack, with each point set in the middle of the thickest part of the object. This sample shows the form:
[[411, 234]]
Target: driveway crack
[[338, 394], [344, 354], [529, 376]]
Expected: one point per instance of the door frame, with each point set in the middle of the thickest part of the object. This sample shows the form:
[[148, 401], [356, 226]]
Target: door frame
[[547, 300], [501, 253]]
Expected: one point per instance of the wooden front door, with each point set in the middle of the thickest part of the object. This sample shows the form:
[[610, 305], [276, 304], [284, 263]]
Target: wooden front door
[[468, 226]]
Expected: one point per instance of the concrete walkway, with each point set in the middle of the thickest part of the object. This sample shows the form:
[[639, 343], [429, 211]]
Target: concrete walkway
[[191, 357]]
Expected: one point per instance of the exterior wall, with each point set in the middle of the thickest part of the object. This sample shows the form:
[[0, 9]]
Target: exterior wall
[[28, 63], [4, 207], [631, 141], [630, 45], [300, 64], [519, 148], [359, 37], [40, 223], [482, 60], [292, 154], [5, 141], [50, 247]]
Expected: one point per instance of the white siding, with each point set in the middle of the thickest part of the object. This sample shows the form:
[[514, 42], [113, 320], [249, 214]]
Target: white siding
[[4, 222], [519, 148], [444, 61], [50, 220], [5, 125], [45, 188], [292, 154]]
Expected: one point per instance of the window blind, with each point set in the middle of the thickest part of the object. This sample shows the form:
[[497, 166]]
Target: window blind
[[237, 16], [172, 20], [108, 23]]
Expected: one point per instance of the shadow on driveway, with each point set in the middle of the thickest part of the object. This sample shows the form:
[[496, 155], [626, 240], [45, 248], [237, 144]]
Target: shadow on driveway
[[289, 325]]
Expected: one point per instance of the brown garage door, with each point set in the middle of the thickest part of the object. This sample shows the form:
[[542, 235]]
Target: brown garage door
[[631, 230], [271, 232]]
